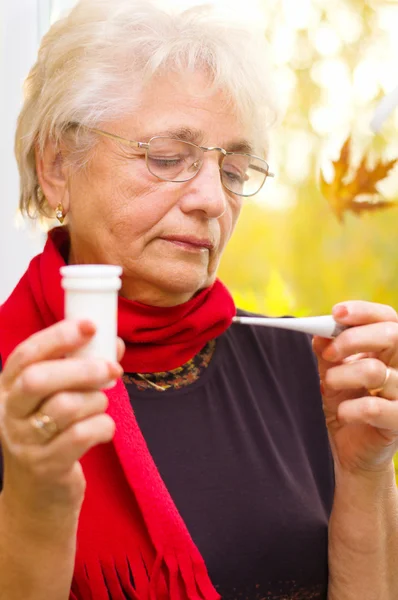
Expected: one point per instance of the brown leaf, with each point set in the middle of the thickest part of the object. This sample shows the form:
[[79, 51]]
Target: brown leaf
[[343, 195], [371, 204]]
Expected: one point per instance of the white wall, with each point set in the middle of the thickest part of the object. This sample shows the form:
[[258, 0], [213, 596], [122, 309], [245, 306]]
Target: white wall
[[19, 35]]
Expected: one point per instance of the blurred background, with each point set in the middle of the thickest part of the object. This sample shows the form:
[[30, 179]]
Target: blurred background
[[290, 254], [335, 61]]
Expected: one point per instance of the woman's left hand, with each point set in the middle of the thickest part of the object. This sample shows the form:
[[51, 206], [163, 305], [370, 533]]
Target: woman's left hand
[[363, 428]]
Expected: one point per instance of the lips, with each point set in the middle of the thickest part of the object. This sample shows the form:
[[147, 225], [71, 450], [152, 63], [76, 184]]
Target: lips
[[191, 241]]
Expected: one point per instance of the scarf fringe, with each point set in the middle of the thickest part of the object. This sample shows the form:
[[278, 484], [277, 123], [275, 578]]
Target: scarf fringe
[[174, 575], [187, 577], [118, 580], [203, 580]]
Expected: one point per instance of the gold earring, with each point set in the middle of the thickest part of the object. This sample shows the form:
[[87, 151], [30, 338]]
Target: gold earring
[[39, 194], [59, 213]]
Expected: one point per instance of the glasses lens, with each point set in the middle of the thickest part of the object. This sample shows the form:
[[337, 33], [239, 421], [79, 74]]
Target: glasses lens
[[244, 175], [173, 160]]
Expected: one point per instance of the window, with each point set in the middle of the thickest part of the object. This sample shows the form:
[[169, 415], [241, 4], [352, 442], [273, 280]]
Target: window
[[22, 24]]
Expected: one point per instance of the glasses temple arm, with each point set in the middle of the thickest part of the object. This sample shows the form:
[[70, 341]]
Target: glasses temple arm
[[261, 170]]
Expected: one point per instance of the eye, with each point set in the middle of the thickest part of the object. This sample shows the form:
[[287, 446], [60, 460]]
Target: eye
[[166, 162], [234, 176]]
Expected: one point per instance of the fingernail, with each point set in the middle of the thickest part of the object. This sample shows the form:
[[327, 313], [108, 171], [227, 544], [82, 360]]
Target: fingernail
[[340, 311], [87, 327]]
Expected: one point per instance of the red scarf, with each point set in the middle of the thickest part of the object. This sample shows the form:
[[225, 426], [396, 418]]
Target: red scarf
[[131, 539]]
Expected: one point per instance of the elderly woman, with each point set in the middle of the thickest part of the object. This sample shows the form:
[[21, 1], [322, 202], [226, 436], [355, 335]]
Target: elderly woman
[[210, 469]]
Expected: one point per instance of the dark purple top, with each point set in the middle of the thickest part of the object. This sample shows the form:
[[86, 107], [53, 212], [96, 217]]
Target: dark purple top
[[245, 456]]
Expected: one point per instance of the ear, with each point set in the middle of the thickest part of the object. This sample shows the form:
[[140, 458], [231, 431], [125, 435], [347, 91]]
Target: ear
[[52, 173]]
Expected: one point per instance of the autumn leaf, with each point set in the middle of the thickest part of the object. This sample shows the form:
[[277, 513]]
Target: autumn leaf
[[356, 193]]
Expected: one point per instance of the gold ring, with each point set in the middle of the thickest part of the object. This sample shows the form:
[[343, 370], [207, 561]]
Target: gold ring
[[45, 425], [376, 391]]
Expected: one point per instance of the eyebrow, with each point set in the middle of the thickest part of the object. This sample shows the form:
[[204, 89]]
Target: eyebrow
[[196, 136]]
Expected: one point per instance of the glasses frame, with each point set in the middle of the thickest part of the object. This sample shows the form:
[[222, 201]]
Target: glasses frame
[[146, 145]]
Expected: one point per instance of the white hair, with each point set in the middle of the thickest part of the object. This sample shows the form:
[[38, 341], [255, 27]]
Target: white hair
[[93, 63]]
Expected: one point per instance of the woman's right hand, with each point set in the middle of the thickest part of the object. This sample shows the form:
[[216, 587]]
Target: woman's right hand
[[42, 474]]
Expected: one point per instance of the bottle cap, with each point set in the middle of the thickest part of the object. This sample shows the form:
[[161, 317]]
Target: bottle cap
[[91, 277], [91, 271]]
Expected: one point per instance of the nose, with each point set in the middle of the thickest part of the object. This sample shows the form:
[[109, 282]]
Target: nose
[[205, 192]]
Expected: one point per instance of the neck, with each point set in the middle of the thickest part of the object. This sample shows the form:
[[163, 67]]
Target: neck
[[144, 292]]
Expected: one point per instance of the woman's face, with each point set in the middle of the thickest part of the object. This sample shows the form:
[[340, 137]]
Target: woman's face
[[168, 237]]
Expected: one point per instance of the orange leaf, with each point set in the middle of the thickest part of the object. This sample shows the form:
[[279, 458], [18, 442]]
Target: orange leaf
[[342, 195]]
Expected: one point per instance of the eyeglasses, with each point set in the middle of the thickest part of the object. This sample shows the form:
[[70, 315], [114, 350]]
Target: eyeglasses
[[177, 161]]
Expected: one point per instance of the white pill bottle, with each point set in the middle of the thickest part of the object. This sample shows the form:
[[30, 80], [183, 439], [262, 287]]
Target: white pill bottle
[[91, 292]]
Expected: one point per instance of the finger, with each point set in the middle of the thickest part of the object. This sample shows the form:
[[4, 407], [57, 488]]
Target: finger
[[75, 441], [319, 345], [42, 380], [48, 461], [359, 356], [360, 312], [121, 348], [370, 410], [377, 338], [64, 409], [54, 342], [368, 373]]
